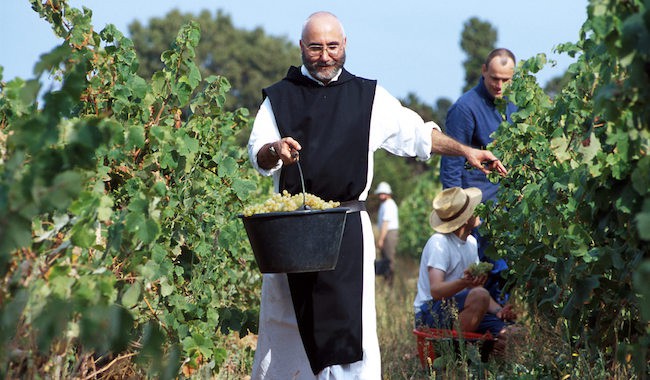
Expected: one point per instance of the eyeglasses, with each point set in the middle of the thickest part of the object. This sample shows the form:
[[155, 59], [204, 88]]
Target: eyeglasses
[[315, 50]]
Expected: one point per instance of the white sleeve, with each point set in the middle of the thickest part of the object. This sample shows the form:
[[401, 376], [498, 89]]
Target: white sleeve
[[398, 129], [438, 257], [265, 130]]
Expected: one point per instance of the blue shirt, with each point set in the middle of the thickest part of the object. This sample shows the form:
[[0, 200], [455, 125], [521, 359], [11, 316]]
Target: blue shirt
[[471, 121]]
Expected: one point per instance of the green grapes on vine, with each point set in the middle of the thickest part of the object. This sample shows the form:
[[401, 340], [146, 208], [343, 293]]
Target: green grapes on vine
[[286, 202]]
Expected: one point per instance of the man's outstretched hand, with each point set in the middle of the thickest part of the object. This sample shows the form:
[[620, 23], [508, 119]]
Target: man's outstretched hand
[[485, 161]]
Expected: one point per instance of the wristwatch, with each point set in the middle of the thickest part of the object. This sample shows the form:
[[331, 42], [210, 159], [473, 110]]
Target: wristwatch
[[273, 152]]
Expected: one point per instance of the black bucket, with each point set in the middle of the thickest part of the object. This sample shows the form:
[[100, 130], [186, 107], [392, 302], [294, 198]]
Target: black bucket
[[296, 241]]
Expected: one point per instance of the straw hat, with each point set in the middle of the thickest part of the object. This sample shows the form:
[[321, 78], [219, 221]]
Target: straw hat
[[383, 188], [453, 207]]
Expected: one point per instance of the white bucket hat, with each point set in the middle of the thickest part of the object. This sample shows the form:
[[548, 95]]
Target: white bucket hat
[[383, 188], [453, 207]]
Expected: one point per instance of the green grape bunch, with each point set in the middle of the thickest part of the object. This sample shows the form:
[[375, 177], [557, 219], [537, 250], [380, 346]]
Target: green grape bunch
[[286, 202], [480, 269]]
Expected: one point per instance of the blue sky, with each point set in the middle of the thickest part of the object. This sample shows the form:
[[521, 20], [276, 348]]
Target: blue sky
[[408, 45]]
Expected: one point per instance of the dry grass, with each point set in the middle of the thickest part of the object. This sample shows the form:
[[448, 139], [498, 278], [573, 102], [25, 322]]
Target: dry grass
[[395, 323]]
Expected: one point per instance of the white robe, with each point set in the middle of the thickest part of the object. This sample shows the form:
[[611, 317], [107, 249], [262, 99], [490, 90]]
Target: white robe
[[280, 353]]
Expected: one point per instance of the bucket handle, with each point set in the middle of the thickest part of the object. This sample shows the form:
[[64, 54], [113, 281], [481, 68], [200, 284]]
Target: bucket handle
[[304, 206]]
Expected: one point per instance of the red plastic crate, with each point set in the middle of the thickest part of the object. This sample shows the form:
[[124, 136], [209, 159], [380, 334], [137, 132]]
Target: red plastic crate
[[427, 336]]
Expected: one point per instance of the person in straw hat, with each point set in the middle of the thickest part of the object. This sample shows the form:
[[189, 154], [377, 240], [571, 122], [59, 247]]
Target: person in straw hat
[[445, 284]]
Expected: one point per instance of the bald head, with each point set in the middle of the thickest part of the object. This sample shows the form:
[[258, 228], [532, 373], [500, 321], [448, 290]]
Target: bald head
[[502, 54], [320, 22], [498, 70], [323, 46]]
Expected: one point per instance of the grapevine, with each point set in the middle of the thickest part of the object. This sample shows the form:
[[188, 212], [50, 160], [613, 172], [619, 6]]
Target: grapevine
[[574, 212], [118, 204]]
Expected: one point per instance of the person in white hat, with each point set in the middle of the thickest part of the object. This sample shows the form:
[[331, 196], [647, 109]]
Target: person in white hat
[[388, 229], [444, 283]]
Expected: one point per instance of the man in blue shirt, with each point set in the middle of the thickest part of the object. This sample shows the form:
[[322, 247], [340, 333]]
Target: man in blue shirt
[[472, 120]]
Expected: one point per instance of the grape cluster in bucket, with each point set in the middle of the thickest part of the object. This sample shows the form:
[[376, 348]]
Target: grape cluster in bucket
[[284, 201]]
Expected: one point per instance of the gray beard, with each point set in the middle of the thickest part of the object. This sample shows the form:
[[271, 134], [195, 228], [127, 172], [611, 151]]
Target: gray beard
[[332, 70]]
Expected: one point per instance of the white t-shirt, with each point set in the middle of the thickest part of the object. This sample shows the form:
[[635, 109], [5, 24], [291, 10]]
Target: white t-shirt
[[388, 213], [447, 253]]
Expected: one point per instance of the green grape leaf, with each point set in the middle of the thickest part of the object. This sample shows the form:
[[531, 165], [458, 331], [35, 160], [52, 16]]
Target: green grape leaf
[[138, 86], [147, 231], [227, 167], [135, 136], [243, 187], [65, 187], [131, 296]]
